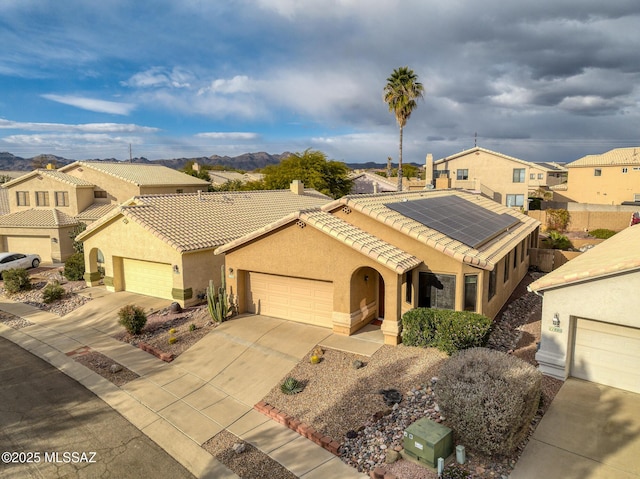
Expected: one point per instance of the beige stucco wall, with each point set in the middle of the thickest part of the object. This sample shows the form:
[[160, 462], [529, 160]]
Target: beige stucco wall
[[118, 190], [611, 188], [609, 299], [493, 171], [55, 251], [77, 195]]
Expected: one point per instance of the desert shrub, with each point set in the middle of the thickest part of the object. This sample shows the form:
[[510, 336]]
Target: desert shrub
[[291, 386], [558, 241], [447, 330], [602, 233], [132, 318], [52, 292], [16, 279], [558, 220], [489, 398], [74, 267]]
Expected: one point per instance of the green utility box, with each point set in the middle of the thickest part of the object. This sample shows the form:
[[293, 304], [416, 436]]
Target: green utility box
[[426, 441]]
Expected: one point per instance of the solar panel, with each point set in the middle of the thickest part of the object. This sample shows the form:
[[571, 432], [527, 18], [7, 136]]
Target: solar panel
[[457, 218]]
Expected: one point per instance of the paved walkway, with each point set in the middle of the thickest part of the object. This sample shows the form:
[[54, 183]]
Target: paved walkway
[[590, 431], [210, 387]]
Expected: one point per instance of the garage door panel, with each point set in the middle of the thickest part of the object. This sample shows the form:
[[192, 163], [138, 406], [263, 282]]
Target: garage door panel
[[148, 278], [607, 354], [31, 245], [297, 299]]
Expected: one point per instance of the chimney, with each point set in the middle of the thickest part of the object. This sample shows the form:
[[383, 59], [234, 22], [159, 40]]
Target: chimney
[[297, 187], [428, 170], [196, 166], [200, 195], [375, 188], [50, 166]]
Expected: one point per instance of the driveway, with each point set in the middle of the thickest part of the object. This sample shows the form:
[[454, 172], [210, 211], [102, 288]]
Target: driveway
[[44, 411], [590, 431]]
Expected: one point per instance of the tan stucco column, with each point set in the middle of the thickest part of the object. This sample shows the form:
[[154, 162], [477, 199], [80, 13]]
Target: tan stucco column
[[392, 324]]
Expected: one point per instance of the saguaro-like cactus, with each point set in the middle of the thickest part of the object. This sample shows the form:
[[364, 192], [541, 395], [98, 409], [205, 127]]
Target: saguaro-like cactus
[[217, 299]]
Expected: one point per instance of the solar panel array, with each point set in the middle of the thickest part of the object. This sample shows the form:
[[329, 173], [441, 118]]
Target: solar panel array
[[457, 218]]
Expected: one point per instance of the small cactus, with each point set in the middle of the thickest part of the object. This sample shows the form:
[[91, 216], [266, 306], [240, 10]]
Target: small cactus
[[291, 386], [315, 359], [173, 340], [217, 299]]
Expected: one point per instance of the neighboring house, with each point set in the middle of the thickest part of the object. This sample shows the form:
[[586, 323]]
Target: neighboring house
[[222, 177], [363, 258], [163, 245], [590, 325], [45, 205], [505, 179], [608, 179], [367, 182]]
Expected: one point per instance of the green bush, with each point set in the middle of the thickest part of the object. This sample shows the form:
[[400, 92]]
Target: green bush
[[16, 279], [52, 292], [602, 233], [558, 241], [447, 330], [558, 220], [74, 267], [489, 398], [132, 318]]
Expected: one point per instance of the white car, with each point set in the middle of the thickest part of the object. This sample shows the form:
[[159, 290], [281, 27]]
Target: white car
[[18, 260]]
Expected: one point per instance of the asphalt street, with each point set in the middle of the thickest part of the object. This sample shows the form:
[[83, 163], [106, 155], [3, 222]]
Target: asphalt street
[[52, 427]]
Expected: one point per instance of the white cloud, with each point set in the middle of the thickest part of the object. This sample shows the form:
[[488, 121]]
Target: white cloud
[[91, 104], [237, 84], [160, 77], [220, 135], [87, 127]]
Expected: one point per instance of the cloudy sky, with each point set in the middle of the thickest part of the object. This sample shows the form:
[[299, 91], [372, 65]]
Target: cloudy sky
[[539, 80]]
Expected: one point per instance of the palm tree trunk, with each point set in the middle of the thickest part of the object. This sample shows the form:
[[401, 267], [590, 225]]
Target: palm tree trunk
[[400, 163]]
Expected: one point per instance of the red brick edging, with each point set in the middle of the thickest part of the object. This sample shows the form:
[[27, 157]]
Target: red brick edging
[[167, 357], [299, 427]]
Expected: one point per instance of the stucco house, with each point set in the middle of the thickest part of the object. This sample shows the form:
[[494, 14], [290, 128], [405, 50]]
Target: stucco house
[[610, 178], [163, 245], [371, 257], [46, 204], [503, 178], [367, 182], [590, 324]]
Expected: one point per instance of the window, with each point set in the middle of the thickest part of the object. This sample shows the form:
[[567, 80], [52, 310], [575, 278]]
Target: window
[[515, 200], [506, 268], [470, 292], [62, 198], [42, 198], [99, 194], [518, 175], [462, 174], [625, 170], [493, 274], [22, 198], [408, 294], [597, 172], [436, 290], [540, 176], [532, 176]]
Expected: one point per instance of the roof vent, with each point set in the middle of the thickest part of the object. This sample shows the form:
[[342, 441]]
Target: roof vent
[[200, 195]]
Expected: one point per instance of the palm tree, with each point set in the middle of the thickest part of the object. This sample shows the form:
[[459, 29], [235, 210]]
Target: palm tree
[[400, 93]]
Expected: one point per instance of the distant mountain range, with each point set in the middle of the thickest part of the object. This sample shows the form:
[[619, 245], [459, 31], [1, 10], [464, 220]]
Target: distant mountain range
[[247, 161]]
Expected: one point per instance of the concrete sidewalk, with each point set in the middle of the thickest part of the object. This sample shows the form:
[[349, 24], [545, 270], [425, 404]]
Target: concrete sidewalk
[[211, 387]]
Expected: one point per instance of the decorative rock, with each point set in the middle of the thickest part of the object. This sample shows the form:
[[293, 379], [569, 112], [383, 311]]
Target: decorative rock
[[357, 364], [175, 307], [115, 368], [391, 456], [239, 447]]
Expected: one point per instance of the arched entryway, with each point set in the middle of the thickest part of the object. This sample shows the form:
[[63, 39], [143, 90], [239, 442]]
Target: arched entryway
[[367, 296], [95, 267]]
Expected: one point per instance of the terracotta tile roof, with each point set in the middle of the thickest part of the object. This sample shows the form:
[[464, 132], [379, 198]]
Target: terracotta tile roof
[[618, 254], [140, 174], [384, 253], [485, 257], [37, 218], [191, 221], [615, 157], [391, 182], [55, 174], [477, 148], [96, 211]]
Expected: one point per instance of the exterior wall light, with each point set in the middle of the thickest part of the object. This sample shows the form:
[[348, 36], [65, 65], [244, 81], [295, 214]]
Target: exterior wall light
[[230, 270], [176, 270], [366, 278], [556, 320]]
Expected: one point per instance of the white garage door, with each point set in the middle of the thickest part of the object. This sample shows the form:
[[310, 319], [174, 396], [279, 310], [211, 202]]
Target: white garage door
[[31, 245], [145, 277], [296, 299], [607, 354]]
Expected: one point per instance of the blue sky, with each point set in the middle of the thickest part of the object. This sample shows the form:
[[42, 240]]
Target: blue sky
[[539, 80]]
